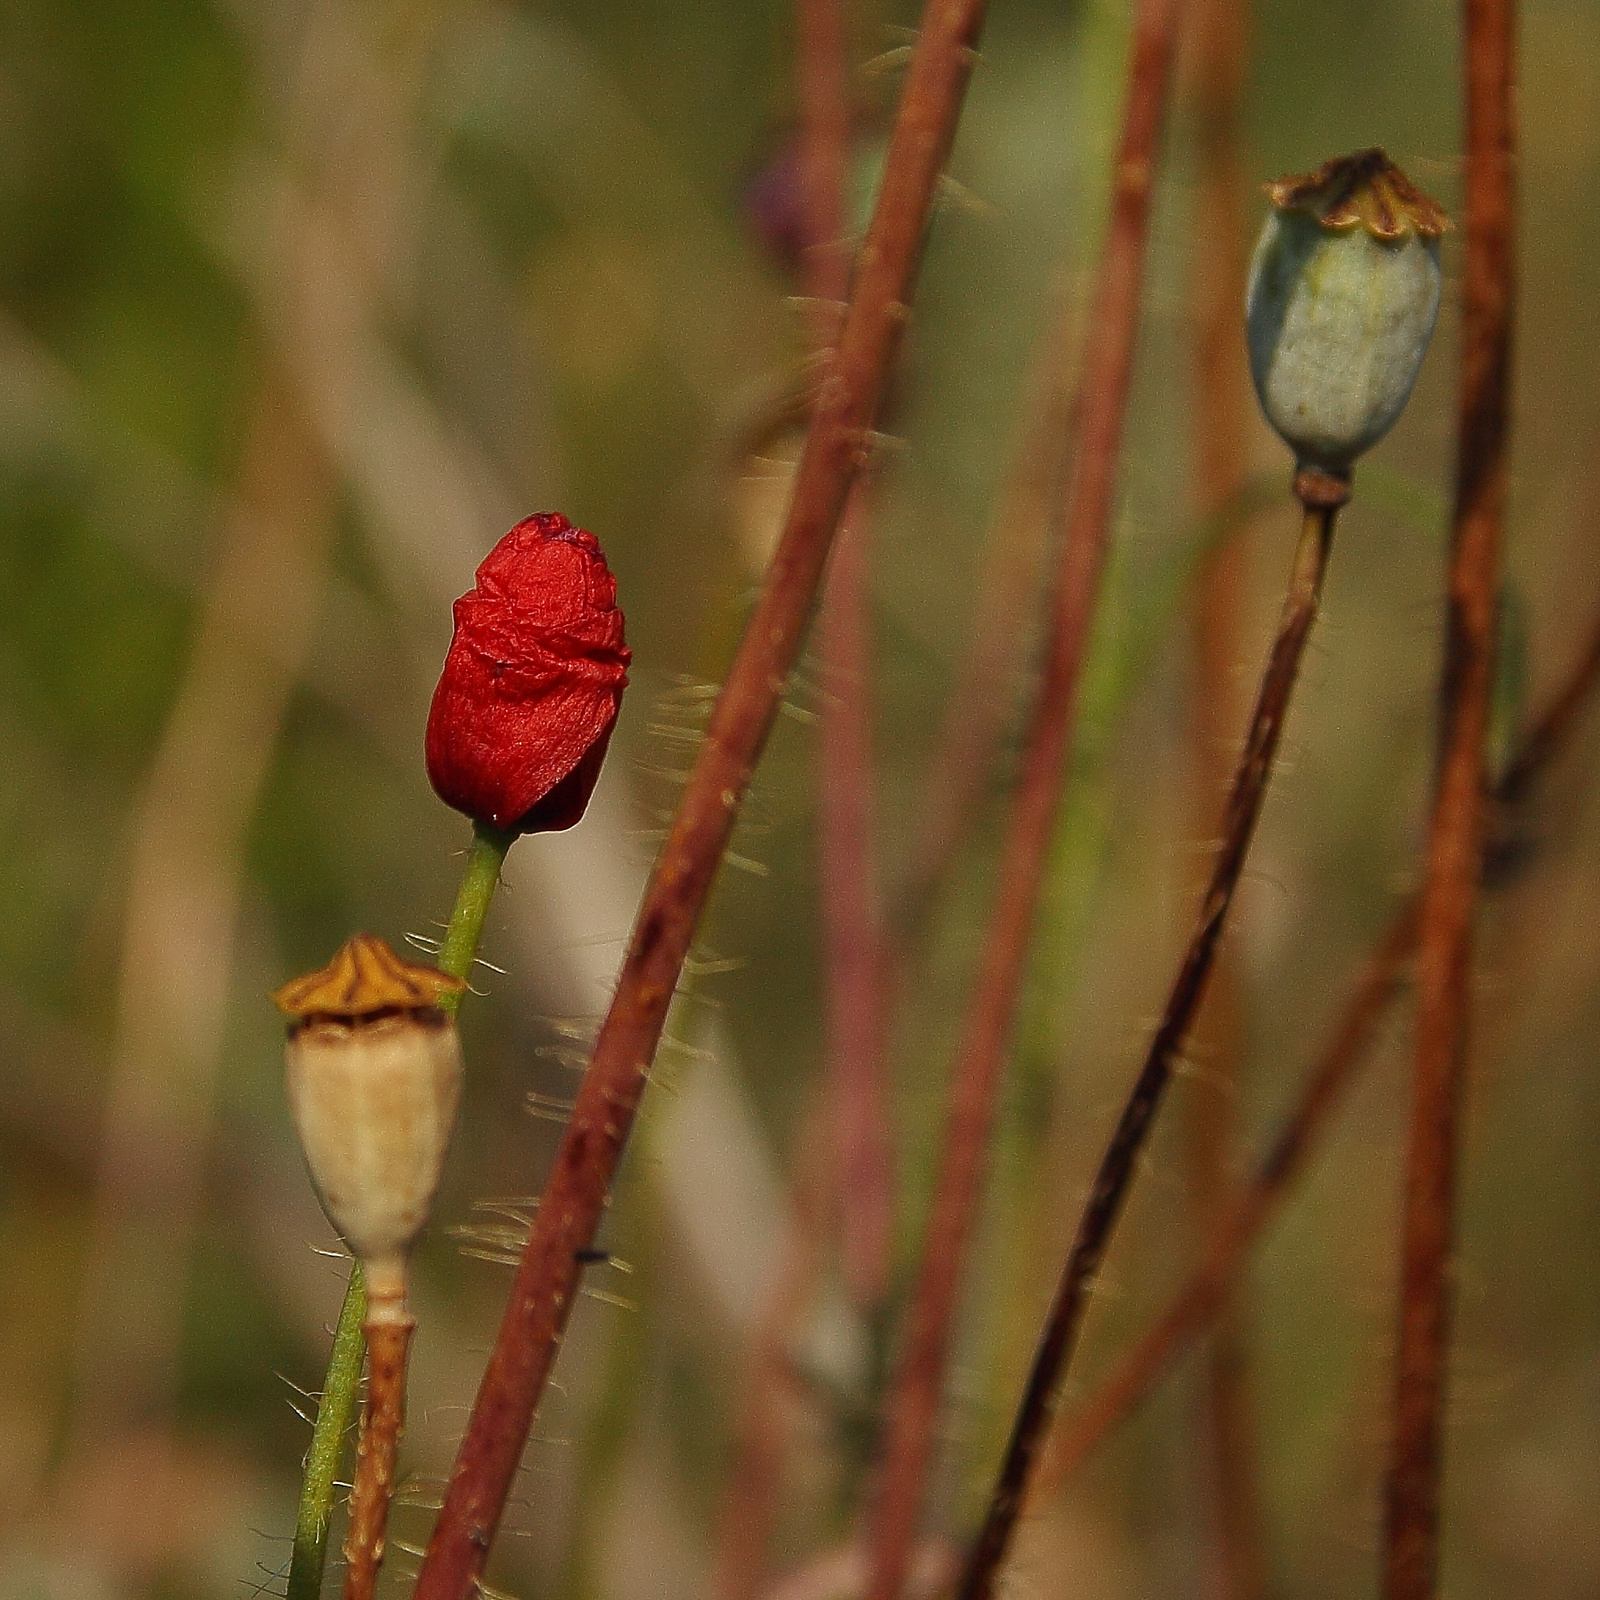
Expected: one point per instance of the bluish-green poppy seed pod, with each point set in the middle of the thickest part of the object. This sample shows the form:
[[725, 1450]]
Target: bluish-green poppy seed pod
[[1344, 292]]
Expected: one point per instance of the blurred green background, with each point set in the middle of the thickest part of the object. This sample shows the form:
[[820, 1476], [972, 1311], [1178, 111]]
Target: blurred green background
[[301, 306]]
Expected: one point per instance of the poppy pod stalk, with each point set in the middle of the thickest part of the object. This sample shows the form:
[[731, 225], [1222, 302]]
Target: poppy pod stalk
[[532, 683]]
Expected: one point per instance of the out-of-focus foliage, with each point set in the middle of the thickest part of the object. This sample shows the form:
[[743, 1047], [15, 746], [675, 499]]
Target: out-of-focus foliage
[[301, 305]]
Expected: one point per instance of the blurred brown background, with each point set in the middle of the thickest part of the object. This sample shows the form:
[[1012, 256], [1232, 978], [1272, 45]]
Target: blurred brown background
[[301, 306]]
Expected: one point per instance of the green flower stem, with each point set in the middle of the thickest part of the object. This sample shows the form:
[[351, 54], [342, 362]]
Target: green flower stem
[[336, 1409], [485, 857], [335, 1412]]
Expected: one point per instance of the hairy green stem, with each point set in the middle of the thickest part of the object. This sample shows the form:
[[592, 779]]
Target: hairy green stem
[[336, 1409], [335, 1412], [479, 880]]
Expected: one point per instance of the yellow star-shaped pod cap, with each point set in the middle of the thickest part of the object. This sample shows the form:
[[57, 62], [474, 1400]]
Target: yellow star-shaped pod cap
[[364, 978]]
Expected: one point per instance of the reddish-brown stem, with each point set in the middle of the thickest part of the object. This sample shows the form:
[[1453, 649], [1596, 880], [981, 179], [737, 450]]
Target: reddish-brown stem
[[1255, 1204], [962, 763], [837, 444], [1116, 1168], [855, 1112], [823, 71], [1243, 1217], [755, 1485], [1107, 376], [382, 1419], [852, 924], [1552, 729], [852, 929], [1455, 842], [1227, 1449]]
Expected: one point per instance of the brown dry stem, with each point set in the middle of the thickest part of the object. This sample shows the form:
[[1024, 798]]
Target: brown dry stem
[[852, 920], [837, 445], [961, 768], [769, 1398], [1243, 1217], [1116, 1169], [855, 1112], [1455, 843], [1255, 1204], [382, 1419], [1227, 1453], [853, 935], [1107, 375]]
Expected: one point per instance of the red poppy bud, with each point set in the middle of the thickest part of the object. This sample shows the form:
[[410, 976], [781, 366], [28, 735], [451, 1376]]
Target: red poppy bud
[[533, 681]]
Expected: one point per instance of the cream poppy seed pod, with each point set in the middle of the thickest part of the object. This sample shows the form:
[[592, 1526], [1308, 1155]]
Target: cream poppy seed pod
[[1342, 299], [374, 1078]]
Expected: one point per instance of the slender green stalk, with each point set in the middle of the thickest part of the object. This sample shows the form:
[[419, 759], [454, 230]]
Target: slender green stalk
[[485, 857], [336, 1409], [335, 1412]]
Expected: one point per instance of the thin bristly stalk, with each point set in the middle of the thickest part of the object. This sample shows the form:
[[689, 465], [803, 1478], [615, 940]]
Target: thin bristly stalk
[[961, 768], [382, 1419], [1322, 497], [853, 1110], [853, 942], [486, 855], [1256, 1203], [1553, 728], [1107, 377], [852, 926], [336, 1410], [1455, 842], [755, 1483], [1227, 1454], [459, 949], [837, 445], [822, 65], [1242, 1216]]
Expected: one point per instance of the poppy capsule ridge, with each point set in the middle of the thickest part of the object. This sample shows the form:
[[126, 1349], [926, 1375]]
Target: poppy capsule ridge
[[1343, 295], [532, 682], [374, 1078]]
